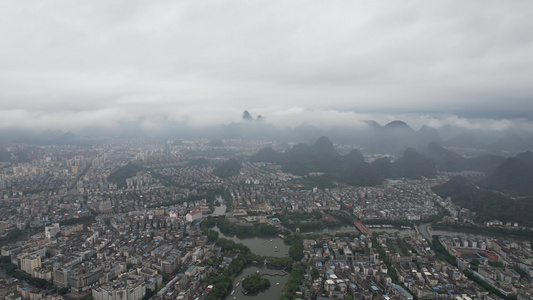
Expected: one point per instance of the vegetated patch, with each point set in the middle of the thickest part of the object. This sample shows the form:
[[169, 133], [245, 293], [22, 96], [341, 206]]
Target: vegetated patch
[[254, 284], [120, 175]]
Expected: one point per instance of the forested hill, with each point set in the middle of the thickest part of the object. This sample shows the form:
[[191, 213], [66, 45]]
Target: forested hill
[[120, 175], [513, 176], [228, 168], [487, 204], [351, 169]]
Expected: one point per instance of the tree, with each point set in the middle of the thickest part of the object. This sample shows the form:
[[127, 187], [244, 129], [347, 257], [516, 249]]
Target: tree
[[296, 252], [148, 295], [475, 264]]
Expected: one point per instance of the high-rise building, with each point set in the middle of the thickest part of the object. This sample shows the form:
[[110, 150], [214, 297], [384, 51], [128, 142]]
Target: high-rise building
[[30, 262]]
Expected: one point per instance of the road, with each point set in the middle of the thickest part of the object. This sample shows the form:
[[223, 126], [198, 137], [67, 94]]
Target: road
[[425, 230], [114, 232]]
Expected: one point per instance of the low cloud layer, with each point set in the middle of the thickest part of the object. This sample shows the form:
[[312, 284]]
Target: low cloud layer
[[69, 65]]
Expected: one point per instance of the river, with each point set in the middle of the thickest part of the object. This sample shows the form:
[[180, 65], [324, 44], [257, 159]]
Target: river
[[276, 283], [333, 230]]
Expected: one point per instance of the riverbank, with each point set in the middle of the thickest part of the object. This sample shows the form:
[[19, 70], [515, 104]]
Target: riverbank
[[507, 233]]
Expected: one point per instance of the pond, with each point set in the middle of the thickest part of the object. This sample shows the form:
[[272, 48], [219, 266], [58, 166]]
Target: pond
[[262, 246], [276, 283]]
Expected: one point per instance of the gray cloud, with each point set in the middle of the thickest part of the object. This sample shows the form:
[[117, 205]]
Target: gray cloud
[[67, 64]]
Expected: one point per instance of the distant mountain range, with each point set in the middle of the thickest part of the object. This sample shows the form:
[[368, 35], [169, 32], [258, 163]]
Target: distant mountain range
[[504, 158], [392, 138]]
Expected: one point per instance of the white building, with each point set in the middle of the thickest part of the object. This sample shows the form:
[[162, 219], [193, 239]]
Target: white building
[[51, 231], [194, 216], [131, 289]]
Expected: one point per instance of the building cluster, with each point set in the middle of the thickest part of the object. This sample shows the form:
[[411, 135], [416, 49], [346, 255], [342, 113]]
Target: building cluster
[[499, 260], [364, 267], [398, 200], [88, 235], [121, 260], [190, 175], [34, 212]]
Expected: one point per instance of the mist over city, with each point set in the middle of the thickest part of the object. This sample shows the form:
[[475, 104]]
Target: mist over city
[[222, 150]]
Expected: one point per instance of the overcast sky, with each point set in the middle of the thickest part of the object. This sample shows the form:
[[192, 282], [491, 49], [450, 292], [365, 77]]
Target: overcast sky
[[69, 64]]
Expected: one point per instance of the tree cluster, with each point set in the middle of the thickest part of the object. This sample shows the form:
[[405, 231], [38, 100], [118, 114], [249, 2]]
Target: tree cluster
[[11, 269], [293, 284], [487, 286], [441, 252], [255, 284], [261, 230]]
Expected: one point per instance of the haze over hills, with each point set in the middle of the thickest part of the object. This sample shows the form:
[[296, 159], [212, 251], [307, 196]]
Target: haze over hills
[[392, 138], [513, 176], [464, 139], [415, 153], [447, 160]]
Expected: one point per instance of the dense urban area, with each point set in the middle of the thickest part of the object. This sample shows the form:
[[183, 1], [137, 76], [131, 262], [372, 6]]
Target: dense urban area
[[198, 219]]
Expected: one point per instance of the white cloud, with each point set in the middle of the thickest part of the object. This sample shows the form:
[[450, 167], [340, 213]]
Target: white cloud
[[62, 119], [204, 62]]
